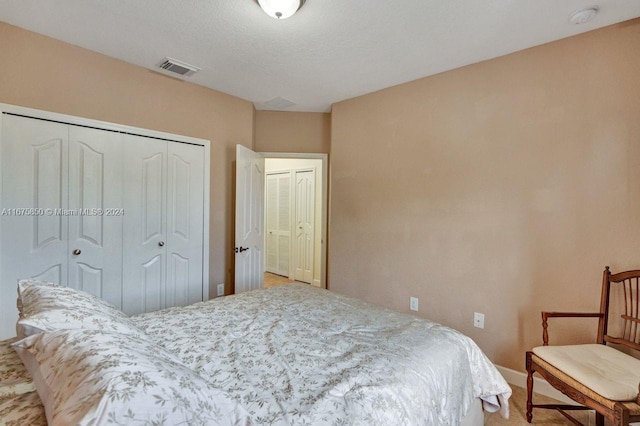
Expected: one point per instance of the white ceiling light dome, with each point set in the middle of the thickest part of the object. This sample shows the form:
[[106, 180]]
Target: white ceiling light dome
[[280, 9]]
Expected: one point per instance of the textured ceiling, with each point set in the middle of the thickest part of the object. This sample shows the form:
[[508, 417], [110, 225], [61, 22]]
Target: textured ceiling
[[329, 51]]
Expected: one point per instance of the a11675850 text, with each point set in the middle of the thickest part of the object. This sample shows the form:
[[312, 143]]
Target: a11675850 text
[[37, 211]]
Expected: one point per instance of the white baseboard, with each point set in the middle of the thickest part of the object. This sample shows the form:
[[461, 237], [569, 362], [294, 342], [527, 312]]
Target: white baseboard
[[540, 385]]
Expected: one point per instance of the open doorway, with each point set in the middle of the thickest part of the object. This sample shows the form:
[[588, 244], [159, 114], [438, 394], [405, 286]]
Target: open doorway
[[296, 248], [308, 180]]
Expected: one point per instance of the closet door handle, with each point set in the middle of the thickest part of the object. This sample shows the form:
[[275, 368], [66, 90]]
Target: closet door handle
[[77, 252], [161, 243]]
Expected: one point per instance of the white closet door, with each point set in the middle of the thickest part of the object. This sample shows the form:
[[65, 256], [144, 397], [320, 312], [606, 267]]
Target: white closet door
[[185, 225], [59, 180], [284, 223], [163, 224], [305, 225], [278, 219], [144, 255], [271, 231], [34, 176], [95, 199]]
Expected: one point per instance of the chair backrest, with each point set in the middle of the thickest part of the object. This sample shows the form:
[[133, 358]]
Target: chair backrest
[[627, 283]]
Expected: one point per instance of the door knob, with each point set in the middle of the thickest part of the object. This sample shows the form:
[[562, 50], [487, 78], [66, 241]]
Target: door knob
[[161, 243], [77, 252], [241, 249]]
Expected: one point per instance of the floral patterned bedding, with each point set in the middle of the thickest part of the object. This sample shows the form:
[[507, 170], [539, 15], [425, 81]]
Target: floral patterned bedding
[[295, 354], [19, 402]]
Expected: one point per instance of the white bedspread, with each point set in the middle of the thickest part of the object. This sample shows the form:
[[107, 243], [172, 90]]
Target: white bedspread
[[295, 354]]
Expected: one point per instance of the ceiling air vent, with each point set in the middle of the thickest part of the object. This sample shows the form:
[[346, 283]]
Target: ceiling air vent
[[280, 103], [173, 66]]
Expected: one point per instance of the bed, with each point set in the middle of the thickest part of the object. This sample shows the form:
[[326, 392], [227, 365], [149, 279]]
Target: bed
[[291, 354]]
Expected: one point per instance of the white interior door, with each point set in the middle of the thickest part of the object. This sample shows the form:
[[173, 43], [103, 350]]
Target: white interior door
[[145, 225], [250, 180], [304, 225], [95, 199], [278, 220], [34, 193]]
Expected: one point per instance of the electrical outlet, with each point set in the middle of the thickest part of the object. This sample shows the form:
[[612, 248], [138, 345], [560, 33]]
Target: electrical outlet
[[478, 320], [413, 303], [221, 289]]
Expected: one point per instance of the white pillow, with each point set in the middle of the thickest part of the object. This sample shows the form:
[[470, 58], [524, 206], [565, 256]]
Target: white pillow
[[87, 377], [37, 296], [23, 284], [47, 307]]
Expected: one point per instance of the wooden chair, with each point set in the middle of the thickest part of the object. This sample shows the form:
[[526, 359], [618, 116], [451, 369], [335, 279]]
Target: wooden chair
[[596, 376]]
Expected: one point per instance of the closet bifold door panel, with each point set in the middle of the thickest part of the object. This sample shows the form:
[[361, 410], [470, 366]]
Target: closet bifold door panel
[[278, 221], [95, 194], [185, 226], [145, 229], [34, 176], [163, 224]]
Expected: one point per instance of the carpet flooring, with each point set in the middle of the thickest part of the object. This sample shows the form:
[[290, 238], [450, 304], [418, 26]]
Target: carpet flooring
[[271, 280], [518, 409]]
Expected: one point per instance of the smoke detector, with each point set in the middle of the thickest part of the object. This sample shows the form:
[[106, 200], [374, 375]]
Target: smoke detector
[[581, 16], [177, 68]]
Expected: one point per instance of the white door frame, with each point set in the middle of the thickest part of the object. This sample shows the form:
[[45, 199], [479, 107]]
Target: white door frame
[[324, 209]]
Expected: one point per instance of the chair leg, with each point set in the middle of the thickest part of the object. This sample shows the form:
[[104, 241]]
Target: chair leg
[[621, 417], [529, 389]]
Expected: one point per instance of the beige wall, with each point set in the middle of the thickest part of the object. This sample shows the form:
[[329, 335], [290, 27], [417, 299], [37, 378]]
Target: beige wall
[[43, 73], [304, 132], [503, 187]]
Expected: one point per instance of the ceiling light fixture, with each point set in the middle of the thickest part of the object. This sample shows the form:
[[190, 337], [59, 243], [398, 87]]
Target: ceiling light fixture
[[280, 9], [581, 16]]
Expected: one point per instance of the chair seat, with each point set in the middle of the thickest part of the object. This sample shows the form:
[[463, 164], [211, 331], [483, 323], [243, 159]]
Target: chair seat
[[610, 373]]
